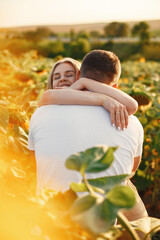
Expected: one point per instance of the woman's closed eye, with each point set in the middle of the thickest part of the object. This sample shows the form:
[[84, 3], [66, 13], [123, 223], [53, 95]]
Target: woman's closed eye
[[56, 77], [70, 75]]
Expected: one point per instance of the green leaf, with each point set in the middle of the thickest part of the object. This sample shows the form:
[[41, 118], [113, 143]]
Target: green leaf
[[74, 162], [107, 183], [105, 217], [79, 187], [4, 117], [121, 197], [107, 211], [99, 218], [94, 159], [109, 155], [106, 158], [82, 204]]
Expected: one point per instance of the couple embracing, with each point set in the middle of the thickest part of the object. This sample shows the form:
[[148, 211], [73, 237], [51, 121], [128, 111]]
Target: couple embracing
[[83, 108]]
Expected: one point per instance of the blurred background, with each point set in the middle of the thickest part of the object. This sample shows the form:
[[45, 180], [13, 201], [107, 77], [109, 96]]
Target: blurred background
[[35, 34]]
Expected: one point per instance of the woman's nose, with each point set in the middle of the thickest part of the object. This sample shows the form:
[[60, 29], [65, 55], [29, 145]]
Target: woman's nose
[[63, 78]]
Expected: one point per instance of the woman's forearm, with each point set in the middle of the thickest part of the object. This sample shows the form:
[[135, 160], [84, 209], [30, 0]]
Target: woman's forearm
[[76, 97], [94, 86], [70, 97]]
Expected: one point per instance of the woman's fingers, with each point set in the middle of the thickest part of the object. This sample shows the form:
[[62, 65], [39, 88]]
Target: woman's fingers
[[121, 118], [112, 115], [126, 117], [117, 116]]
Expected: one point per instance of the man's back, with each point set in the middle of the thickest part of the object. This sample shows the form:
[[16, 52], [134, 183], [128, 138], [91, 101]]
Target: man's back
[[56, 132]]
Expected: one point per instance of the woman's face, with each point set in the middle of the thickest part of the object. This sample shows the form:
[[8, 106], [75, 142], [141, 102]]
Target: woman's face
[[64, 75]]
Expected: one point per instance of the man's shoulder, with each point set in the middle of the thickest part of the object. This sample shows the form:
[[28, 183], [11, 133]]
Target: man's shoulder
[[133, 120], [70, 107]]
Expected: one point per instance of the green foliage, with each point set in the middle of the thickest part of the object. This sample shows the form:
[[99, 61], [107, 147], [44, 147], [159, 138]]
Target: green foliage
[[116, 29], [92, 160], [78, 48], [93, 206], [94, 34], [83, 34], [122, 197], [18, 46], [82, 204], [151, 51], [72, 35], [141, 80], [50, 49], [77, 44], [142, 30], [105, 183], [123, 50], [97, 211], [37, 35]]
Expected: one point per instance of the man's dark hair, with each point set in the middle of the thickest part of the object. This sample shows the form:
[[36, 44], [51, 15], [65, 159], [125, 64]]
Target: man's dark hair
[[100, 65]]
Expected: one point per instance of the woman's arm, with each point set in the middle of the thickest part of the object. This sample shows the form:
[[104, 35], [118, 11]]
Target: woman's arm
[[94, 86], [67, 96]]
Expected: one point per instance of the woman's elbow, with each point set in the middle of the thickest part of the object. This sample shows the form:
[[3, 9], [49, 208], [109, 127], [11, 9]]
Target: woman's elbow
[[45, 99], [133, 107]]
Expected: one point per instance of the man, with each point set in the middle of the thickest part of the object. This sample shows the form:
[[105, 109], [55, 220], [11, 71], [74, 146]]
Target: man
[[56, 131]]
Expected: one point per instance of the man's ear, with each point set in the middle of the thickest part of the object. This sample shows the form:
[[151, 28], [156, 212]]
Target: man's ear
[[77, 74], [115, 85]]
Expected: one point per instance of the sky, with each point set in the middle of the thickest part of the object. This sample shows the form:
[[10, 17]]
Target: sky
[[53, 12]]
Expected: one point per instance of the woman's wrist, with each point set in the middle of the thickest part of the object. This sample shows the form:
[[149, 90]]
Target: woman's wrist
[[101, 99]]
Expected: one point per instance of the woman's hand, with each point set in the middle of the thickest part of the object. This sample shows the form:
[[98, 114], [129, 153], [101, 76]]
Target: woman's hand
[[78, 85], [118, 112], [102, 88]]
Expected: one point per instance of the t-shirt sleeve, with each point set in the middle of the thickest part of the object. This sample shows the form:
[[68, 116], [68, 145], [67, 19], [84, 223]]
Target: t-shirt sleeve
[[140, 142], [31, 145]]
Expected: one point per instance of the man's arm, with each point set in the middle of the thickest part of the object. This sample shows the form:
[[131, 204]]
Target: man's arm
[[67, 96], [94, 86], [136, 164]]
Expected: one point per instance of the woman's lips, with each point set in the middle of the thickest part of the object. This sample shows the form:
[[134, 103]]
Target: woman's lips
[[65, 85]]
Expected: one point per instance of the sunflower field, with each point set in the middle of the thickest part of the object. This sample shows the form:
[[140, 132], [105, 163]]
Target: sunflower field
[[23, 79]]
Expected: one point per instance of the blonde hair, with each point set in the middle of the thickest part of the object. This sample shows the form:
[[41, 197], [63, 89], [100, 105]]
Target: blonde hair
[[76, 64]]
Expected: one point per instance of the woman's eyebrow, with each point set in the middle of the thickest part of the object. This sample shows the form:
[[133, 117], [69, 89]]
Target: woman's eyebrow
[[69, 71], [65, 72], [55, 74]]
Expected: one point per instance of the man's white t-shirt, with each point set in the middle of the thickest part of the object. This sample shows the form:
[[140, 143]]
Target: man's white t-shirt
[[58, 131]]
